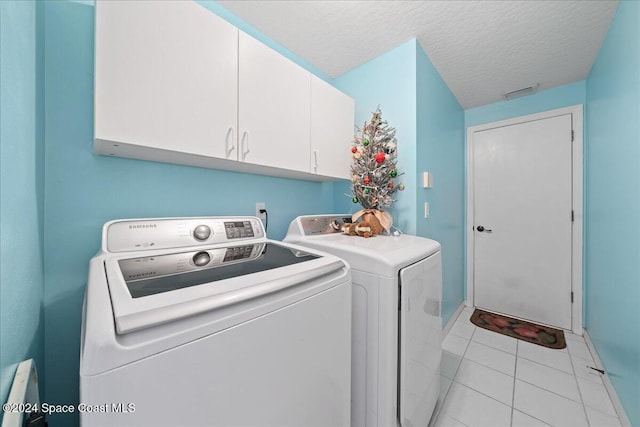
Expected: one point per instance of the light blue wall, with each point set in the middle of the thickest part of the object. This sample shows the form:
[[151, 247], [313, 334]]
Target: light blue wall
[[550, 99], [21, 270], [84, 190], [390, 81], [612, 218], [440, 151]]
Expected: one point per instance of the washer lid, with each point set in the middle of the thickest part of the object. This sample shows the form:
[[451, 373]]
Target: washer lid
[[147, 275], [160, 287]]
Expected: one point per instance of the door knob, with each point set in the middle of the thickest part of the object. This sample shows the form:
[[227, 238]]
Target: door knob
[[480, 228]]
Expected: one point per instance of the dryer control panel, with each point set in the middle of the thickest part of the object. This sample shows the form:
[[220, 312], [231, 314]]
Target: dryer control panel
[[319, 224], [168, 233]]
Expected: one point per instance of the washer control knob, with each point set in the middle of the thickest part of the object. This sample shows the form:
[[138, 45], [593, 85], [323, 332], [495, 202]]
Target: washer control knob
[[202, 232], [201, 258]]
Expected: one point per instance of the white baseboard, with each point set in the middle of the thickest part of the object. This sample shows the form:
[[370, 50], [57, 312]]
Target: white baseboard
[[617, 405], [452, 320]]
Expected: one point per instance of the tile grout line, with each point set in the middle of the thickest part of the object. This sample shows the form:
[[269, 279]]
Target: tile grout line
[[618, 409], [485, 366], [513, 391], [453, 380], [454, 418], [553, 392], [575, 377], [480, 393], [471, 388], [460, 336], [489, 345], [573, 374], [530, 359], [586, 379], [587, 363], [444, 399], [492, 348], [470, 339]]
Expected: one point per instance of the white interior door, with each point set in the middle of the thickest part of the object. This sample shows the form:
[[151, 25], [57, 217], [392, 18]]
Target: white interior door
[[522, 181]]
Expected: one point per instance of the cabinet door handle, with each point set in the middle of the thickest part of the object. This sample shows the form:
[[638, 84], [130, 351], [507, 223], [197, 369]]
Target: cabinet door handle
[[233, 145], [316, 154], [245, 144]]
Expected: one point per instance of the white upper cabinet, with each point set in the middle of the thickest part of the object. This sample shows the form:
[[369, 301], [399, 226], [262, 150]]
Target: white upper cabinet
[[332, 130], [175, 83], [166, 78], [274, 108]]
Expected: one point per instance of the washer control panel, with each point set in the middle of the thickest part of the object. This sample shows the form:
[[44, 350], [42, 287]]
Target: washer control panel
[[147, 267], [238, 229], [202, 232], [167, 233]]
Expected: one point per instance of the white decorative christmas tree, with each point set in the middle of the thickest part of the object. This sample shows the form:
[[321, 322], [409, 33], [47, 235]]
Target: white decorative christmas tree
[[374, 168]]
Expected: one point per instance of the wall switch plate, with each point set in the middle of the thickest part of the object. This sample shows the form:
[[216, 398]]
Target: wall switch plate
[[426, 209], [427, 180]]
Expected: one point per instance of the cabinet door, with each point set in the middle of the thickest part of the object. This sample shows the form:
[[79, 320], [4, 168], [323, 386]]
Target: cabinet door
[[274, 108], [166, 77], [332, 125]]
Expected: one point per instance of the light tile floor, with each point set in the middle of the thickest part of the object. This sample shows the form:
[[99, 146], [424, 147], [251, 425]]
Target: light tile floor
[[491, 380]]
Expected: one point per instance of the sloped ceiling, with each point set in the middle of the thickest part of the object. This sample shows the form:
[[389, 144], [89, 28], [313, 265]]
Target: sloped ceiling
[[482, 49]]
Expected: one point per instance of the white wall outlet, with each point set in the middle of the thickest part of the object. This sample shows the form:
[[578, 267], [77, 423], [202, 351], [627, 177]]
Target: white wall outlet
[[261, 206], [426, 209]]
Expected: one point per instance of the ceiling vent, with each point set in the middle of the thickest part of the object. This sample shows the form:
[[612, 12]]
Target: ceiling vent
[[521, 92]]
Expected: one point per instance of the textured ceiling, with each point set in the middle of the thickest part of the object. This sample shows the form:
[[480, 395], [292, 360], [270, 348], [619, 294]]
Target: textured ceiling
[[482, 49]]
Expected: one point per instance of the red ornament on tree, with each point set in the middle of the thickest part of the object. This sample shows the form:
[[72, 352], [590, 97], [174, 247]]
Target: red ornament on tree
[[390, 185], [366, 180], [380, 157], [354, 149]]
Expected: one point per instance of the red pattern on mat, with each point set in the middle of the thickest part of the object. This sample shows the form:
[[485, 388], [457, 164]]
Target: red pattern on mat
[[520, 329]]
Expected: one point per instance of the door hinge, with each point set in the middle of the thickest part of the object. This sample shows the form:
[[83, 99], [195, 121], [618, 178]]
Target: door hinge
[[571, 297], [573, 135], [573, 217]]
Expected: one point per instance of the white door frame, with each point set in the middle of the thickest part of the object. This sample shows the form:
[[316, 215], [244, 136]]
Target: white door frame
[[576, 234]]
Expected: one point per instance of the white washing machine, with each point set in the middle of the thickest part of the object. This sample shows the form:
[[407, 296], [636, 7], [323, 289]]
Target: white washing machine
[[397, 323], [206, 322]]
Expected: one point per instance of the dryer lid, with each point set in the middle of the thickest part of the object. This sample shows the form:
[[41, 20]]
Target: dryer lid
[[381, 255]]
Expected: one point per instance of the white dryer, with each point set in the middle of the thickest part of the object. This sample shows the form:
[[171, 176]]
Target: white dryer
[[397, 323], [206, 322]]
